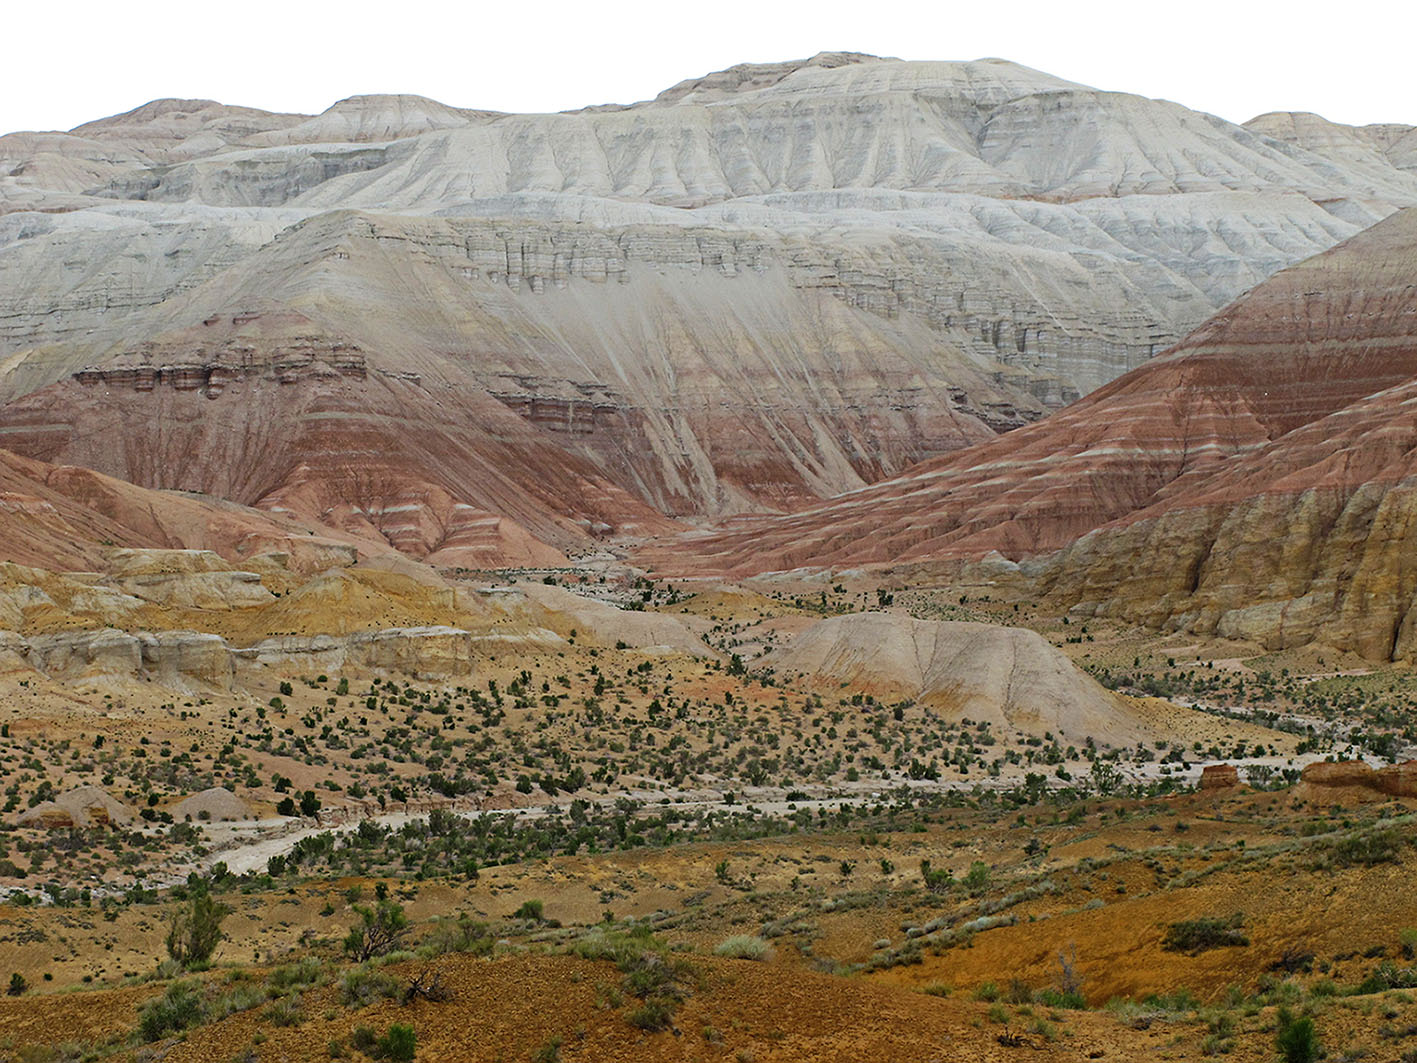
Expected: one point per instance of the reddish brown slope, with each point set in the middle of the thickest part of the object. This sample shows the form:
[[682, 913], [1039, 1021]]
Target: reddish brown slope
[[1304, 345], [1311, 537], [66, 517]]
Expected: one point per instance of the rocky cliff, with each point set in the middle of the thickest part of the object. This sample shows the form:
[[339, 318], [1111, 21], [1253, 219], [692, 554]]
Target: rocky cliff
[[765, 287], [1255, 482]]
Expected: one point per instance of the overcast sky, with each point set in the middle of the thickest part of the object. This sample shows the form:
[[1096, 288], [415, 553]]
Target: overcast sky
[[67, 63]]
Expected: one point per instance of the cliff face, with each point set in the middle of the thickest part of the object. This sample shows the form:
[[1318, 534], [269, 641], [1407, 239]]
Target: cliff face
[[765, 287], [1255, 482]]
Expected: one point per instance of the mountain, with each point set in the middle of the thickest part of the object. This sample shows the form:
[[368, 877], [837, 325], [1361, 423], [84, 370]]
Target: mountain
[[533, 333], [70, 518], [1255, 481]]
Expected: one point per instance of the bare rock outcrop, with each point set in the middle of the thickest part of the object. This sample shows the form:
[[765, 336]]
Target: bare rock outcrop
[[216, 804], [87, 655], [83, 807], [423, 653], [180, 658], [1254, 483], [600, 623], [1219, 777], [1399, 780], [1009, 677], [1340, 773]]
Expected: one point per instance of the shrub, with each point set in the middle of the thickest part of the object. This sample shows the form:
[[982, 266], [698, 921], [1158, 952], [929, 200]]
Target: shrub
[[241, 998], [18, 985], [364, 1039], [653, 1015], [1367, 849], [195, 930], [660, 982], [744, 947], [530, 910], [398, 1045], [976, 880], [1388, 975], [1407, 937], [379, 931], [299, 975], [936, 881], [285, 1011], [1070, 999], [1195, 936], [177, 1009], [1296, 1038], [463, 934], [362, 986]]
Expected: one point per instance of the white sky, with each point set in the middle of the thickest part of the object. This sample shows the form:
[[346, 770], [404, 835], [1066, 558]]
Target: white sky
[[67, 63]]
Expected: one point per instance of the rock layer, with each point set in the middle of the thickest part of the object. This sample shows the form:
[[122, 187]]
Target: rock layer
[[527, 333], [1255, 482]]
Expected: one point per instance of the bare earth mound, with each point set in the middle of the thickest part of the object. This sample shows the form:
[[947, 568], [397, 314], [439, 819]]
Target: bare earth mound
[[1006, 676]]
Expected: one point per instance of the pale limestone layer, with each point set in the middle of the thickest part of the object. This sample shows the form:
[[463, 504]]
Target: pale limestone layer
[[1009, 677], [767, 286]]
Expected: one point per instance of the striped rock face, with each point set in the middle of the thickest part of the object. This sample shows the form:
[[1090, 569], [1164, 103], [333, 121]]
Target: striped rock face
[[490, 339], [1254, 482]]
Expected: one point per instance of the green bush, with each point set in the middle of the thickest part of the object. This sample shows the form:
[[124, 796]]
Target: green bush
[[180, 1007], [241, 998], [976, 880], [653, 1015], [531, 910], [380, 930], [299, 975], [659, 981], [1366, 849], [1070, 999], [362, 986], [195, 930], [285, 1011], [398, 1045], [743, 947], [1388, 975], [1195, 936], [463, 934], [1296, 1039]]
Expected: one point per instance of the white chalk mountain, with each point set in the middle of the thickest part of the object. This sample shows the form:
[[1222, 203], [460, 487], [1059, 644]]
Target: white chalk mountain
[[493, 337]]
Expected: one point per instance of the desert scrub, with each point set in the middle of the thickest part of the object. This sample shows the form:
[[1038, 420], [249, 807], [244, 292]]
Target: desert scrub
[[463, 934], [1194, 936], [744, 947], [299, 975], [397, 1045], [1388, 975], [1364, 848], [380, 930], [239, 998], [285, 1011], [653, 1015], [181, 1007], [1296, 1038], [195, 930], [362, 986], [659, 981]]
